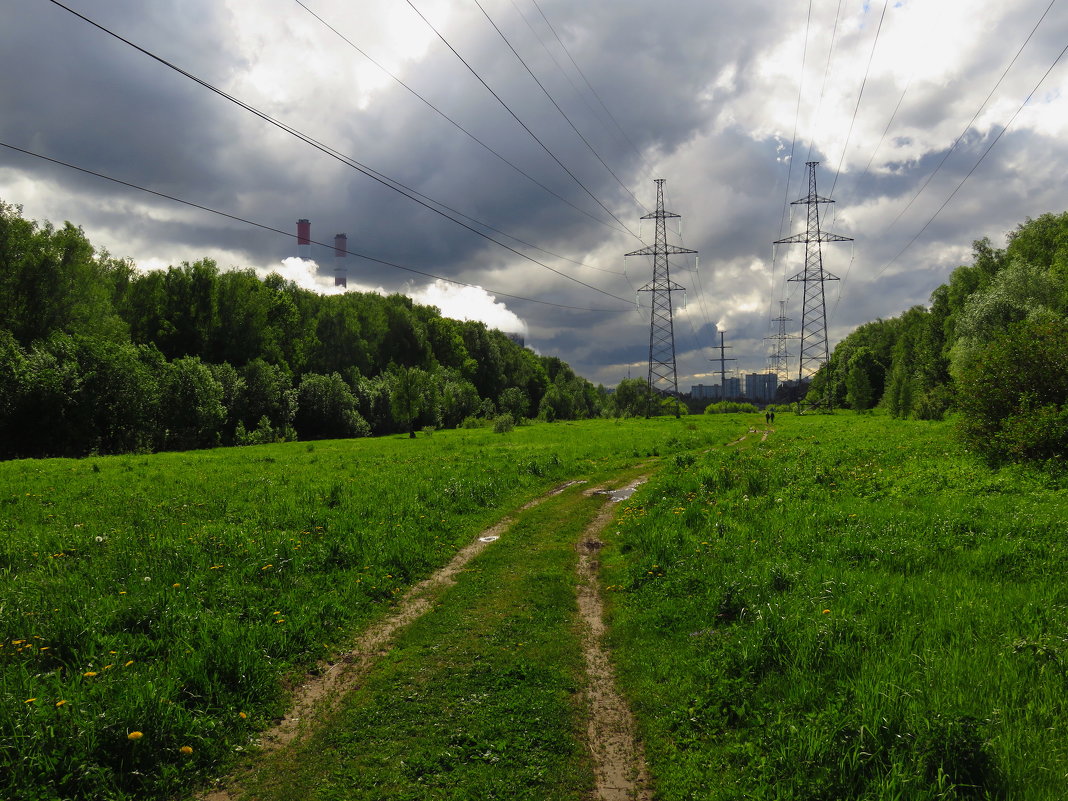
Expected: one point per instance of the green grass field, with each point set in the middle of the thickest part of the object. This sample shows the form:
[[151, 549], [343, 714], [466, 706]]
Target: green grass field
[[173, 594], [853, 607]]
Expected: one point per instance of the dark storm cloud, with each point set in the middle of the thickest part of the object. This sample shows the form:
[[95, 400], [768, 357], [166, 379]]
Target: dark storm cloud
[[706, 93]]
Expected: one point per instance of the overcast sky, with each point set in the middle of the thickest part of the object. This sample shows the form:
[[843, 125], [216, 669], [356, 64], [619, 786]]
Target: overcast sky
[[726, 101]]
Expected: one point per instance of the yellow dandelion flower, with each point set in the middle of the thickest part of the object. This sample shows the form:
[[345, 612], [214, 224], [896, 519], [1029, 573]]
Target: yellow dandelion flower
[[176, 584], [128, 663], [242, 715], [826, 611], [266, 566], [135, 735], [185, 749], [60, 703], [29, 700], [89, 673]]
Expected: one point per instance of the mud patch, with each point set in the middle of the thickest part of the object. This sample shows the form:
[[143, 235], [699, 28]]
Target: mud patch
[[619, 763]]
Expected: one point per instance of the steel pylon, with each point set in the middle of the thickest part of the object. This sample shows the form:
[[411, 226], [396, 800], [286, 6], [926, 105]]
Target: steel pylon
[[814, 347], [663, 375]]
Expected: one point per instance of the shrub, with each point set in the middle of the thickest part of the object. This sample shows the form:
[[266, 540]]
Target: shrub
[[503, 423], [1013, 396]]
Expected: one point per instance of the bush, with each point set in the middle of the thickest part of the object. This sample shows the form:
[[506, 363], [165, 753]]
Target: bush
[[729, 407], [1013, 396], [503, 423]]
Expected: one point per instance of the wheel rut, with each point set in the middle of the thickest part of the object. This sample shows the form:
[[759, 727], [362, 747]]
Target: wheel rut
[[618, 759]]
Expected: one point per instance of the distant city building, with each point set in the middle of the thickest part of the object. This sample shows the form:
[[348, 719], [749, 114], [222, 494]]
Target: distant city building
[[714, 392], [760, 387]]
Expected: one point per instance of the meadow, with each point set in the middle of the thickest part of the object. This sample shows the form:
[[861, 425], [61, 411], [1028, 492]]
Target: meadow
[[154, 609], [855, 607], [850, 607]]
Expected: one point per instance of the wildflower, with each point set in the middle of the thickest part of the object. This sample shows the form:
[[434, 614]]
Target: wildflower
[[242, 715], [128, 663], [99, 538], [826, 611], [147, 578], [135, 735], [176, 584], [89, 673], [60, 703], [185, 749], [266, 566], [30, 700]]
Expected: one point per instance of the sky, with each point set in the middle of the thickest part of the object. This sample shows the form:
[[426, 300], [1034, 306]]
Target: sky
[[532, 132]]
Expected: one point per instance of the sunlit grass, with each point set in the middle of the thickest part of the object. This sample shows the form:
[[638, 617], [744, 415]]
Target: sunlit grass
[[171, 595], [853, 609]]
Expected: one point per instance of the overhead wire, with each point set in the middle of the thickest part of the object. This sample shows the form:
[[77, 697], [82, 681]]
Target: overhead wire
[[889, 122], [593, 91], [789, 172], [826, 73], [396, 186], [552, 100], [571, 82], [464, 130], [516, 117], [990, 147], [972, 120], [290, 234], [860, 96]]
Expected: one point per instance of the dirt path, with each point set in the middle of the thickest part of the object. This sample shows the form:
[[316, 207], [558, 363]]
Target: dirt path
[[324, 692], [619, 764]]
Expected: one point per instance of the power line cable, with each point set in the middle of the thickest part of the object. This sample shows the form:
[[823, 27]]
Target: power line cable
[[826, 72], [457, 125], [790, 168], [598, 115], [396, 186], [291, 235], [971, 121], [977, 163], [590, 87], [556, 105], [890, 122], [515, 116], [860, 96]]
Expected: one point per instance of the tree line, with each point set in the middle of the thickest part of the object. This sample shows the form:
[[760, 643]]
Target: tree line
[[991, 347], [97, 356]]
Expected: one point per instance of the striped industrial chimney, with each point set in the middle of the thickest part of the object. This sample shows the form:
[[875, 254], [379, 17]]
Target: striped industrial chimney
[[304, 239], [341, 250]]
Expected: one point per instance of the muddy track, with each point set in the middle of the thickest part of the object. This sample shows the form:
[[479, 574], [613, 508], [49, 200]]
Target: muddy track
[[618, 759], [324, 691]]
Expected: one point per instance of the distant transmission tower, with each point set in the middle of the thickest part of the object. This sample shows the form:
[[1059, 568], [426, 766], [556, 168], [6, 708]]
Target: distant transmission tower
[[777, 361], [663, 376], [814, 349], [723, 359]]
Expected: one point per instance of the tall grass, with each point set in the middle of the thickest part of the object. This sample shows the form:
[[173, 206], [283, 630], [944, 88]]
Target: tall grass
[[855, 608], [172, 595]]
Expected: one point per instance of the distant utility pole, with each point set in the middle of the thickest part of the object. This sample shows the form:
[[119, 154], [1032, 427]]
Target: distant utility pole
[[663, 375], [777, 361], [814, 348], [723, 359]]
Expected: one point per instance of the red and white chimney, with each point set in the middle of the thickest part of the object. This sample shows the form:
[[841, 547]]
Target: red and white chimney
[[341, 250], [304, 239]]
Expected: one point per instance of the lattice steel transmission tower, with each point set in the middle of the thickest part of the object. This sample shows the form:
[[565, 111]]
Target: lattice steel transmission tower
[[663, 376], [777, 361], [814, 349]]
